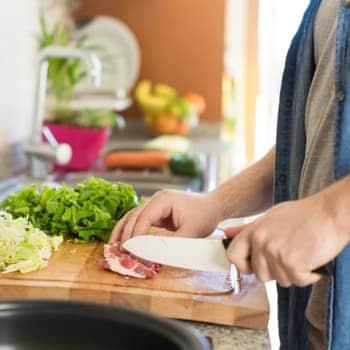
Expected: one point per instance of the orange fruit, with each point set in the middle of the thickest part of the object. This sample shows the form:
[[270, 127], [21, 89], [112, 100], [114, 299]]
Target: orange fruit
[[182, 128], [164, 124], [197, 101]]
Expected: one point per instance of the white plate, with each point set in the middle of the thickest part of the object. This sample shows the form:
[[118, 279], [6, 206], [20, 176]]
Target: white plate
[[119, 52]]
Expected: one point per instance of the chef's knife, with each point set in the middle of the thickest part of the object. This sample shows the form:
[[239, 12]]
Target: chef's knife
[[188, 253]]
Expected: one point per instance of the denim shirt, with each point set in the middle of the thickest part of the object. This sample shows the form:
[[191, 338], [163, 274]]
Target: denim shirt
[[290, 151]]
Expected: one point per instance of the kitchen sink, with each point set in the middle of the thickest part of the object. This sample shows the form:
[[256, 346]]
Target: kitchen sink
[[15, 184], [146, 183]]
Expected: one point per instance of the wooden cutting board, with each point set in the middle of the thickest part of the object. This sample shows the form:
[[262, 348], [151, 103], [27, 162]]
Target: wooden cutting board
[[75, 273]]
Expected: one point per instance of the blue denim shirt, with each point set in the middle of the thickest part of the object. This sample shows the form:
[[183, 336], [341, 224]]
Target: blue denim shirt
[[290, 151]]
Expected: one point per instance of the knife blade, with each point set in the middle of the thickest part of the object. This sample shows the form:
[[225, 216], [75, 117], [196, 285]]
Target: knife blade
[[200, 254], [188, 253]]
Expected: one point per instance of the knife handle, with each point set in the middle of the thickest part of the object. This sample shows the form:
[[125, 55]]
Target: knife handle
[[226, 242], [326, 270]]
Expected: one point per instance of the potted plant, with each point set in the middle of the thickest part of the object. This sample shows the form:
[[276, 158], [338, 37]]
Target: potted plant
[[85, 130]]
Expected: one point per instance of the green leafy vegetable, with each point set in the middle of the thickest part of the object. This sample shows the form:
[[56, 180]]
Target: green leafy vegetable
[[22, 247], [91, 209]]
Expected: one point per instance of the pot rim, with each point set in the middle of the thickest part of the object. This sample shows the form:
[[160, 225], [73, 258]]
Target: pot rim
[[182, 335]]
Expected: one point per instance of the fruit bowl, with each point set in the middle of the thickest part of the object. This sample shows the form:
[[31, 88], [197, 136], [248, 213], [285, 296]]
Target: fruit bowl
[[165, 111], [163, 123]]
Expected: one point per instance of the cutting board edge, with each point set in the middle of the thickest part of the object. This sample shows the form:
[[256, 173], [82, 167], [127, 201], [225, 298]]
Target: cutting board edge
[[74, 285], [99, 286], [166, 304]]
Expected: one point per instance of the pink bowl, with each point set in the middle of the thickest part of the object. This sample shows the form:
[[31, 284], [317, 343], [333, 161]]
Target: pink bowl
[[86, 144]]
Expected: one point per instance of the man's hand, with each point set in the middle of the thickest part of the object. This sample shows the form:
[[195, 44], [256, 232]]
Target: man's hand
[[289, 242], [187, 214]]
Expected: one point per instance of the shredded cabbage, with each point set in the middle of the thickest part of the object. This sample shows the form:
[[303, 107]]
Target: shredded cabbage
[[22, 247]]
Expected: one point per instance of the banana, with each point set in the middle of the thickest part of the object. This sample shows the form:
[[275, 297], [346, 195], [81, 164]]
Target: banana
[[148, 101], [165, 90]]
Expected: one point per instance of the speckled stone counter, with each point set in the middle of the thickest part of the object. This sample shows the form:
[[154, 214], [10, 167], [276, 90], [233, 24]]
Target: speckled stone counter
[[232, 338], [228, 337]]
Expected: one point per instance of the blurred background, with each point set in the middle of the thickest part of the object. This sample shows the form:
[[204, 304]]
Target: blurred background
[[158, 94], [224, 56]]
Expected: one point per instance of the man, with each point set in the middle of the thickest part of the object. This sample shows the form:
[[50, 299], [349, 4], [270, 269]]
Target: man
[[309, 225]]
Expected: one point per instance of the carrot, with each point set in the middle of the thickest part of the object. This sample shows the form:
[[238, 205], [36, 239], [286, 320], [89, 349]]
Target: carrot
[[137, 160]]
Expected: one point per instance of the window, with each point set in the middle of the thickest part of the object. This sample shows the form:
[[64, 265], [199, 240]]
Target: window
[[278, 22]]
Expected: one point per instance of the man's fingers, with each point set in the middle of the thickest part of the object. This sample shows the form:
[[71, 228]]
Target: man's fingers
[[151, 215], [261, 268], [138, 221], [118, 229], [239, 253], [131, 220], [303, 279], [280, 275]]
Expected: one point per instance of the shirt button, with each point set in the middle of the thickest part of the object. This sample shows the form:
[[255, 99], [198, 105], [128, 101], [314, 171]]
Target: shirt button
[[341, 93], [289, 103], [282, 179]]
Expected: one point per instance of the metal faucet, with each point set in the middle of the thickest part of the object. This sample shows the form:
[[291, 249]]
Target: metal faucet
[[39, 153]]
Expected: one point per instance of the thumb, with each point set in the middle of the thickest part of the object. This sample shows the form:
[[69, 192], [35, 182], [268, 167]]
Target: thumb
[[304, 279], [231, 232], [239, 253]]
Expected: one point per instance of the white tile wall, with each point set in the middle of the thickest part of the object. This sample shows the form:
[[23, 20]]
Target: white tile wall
[[18, 25]]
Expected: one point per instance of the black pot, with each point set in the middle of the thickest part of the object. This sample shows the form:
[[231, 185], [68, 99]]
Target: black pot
[[56, 325]]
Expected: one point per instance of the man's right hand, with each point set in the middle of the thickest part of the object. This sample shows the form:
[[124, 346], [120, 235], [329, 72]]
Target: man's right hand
[[187, 214]]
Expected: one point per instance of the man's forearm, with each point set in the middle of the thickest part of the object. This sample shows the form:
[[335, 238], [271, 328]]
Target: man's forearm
[[248, 193]]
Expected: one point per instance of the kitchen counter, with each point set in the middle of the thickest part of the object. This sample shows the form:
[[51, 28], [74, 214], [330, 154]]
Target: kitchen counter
[[229, 338], [206, 139]]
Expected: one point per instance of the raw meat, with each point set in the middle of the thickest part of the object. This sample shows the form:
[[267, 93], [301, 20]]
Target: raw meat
[[118, 260]]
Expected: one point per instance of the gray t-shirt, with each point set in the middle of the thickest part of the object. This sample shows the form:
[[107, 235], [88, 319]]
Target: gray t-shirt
[[317, 171]]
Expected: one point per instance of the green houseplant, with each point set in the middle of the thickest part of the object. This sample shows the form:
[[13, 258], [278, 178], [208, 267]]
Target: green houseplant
[[86, 130]]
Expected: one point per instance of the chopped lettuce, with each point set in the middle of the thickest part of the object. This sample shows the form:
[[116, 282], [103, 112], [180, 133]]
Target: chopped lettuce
[[91, 209], [22, 247]]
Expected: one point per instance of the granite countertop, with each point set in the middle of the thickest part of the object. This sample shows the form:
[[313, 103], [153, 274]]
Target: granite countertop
[[232, 338], [229, 337]]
